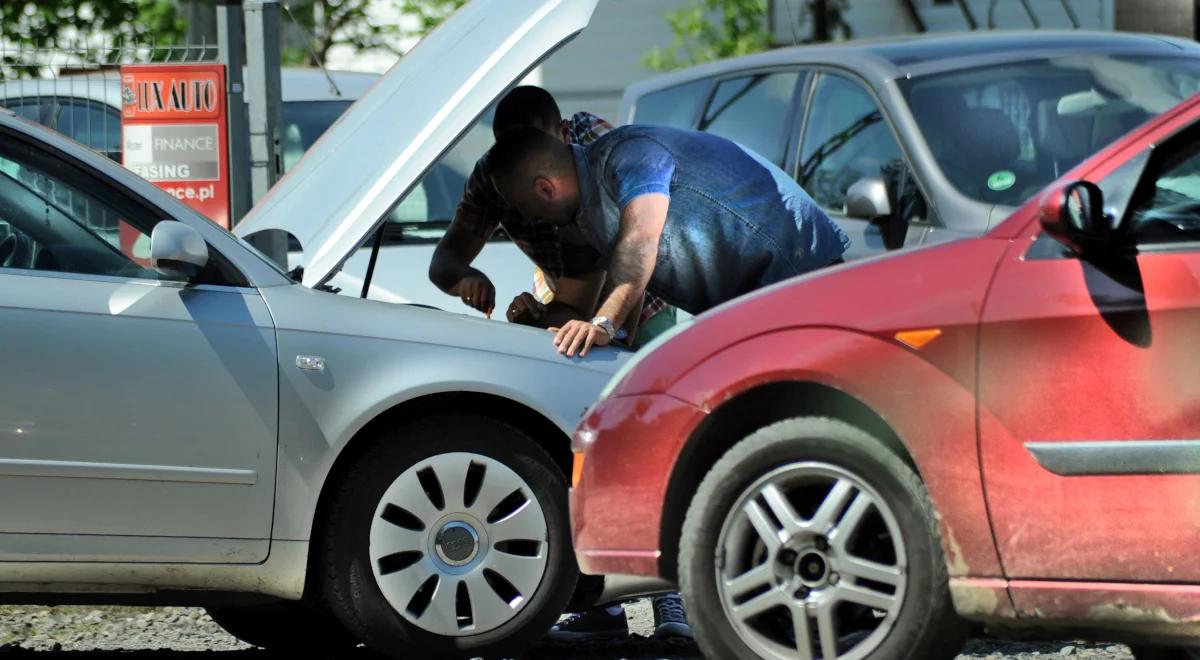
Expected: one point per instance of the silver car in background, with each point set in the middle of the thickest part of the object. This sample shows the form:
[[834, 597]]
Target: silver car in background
[[918, 140], [192, 426]]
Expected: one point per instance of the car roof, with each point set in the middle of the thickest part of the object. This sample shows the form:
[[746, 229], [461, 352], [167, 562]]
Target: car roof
[[297, 85], [883, 59]]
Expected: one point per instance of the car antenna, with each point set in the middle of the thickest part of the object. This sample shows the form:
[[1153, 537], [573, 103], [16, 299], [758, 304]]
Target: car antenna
[[787, 5], [308, 44]]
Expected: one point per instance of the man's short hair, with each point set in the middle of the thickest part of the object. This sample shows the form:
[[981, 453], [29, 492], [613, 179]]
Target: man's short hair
[[526, 106], [523, 154]]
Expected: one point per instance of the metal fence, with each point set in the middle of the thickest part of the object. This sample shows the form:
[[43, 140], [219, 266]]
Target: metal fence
[[76, 89]]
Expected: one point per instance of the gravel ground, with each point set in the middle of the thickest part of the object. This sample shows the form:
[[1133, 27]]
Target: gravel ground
[[176, 633]]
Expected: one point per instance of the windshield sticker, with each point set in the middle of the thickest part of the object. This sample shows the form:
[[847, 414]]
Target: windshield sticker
[[1002, 180]]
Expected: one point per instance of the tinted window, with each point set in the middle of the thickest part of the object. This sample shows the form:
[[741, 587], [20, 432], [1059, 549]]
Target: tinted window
[[1169, 209], [1030, 122], [54, 217], [89, 122], [303, 123], [674, 106], [423, 214], [846, 139], [753, 112]]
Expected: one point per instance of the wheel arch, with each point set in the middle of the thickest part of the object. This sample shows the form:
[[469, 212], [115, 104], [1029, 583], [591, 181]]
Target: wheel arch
[[522, 417], [740, 416]]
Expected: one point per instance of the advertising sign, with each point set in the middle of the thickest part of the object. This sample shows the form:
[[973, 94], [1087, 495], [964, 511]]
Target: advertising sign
[[174, 132]]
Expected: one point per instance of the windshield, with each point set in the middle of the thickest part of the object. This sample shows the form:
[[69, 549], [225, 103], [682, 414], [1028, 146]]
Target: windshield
[[1001, 133], [303, 123]]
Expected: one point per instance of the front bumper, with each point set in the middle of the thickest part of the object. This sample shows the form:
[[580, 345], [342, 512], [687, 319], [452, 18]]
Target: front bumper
[[629, 446]]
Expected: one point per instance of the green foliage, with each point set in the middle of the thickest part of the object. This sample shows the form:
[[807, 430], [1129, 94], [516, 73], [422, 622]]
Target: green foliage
[[47, 23], [330, 23], [741, 27], [430, 13], [347, 22], [707, 30]]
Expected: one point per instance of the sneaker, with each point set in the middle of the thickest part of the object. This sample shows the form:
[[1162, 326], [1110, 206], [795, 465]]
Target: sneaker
[[596, 623], [670, 619]]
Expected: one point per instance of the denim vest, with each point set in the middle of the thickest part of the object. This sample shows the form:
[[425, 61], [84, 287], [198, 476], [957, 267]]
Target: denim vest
[[735, 222]]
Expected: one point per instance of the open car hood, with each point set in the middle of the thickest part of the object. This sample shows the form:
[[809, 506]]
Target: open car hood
[[342, 189]]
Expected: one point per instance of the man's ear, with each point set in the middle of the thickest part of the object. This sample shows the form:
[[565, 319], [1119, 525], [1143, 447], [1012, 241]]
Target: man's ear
[[545, 189]]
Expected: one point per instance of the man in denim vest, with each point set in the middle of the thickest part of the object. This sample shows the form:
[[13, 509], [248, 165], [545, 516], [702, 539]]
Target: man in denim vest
[[692, 217]]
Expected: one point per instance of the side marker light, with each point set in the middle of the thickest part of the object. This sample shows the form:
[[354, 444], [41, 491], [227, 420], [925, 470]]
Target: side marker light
[[917, 339], [577, 469]]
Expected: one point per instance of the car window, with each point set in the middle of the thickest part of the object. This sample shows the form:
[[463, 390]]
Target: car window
[[846, 139], [1029, 122], [674, 106], [753, 111], [303, 123], [423, 214], [56, 218], [1168, 208], [88, 122]]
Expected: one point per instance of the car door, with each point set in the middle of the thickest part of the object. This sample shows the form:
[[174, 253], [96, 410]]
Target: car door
[[1089, 392], [846, 140], [138, 415]]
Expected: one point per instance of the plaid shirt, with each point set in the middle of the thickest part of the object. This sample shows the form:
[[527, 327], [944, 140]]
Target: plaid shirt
[[482, 211]]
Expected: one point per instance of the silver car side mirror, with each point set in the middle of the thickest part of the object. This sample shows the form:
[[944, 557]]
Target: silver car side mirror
[[177, 251], [868, 199]]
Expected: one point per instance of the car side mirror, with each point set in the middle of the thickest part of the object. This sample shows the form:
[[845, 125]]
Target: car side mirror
[[1074, 215], [868, 199], [177, 251]]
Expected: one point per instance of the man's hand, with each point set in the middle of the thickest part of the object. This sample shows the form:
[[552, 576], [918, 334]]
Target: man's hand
[[577, 335], [477, 291], [526, 309]]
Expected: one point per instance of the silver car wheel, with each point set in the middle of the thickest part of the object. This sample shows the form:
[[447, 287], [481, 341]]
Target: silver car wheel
[[813, 565], [458, 544]]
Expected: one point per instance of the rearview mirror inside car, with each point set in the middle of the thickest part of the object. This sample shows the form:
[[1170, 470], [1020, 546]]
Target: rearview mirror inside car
[[1074, 215], [177, 251]]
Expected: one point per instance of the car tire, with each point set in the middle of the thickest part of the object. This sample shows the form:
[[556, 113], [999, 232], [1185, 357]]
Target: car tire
[[416, 567], [853, 509], [275, 626], [1164, 653]]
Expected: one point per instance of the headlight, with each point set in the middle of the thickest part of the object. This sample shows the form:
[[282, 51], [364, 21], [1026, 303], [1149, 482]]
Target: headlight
[[641, 355]]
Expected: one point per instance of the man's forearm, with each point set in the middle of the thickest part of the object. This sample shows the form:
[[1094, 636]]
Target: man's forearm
[[446, 273], [558, 313], [632, 266]]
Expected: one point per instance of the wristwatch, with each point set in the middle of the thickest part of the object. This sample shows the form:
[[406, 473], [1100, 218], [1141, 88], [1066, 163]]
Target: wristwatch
[[606, 325]]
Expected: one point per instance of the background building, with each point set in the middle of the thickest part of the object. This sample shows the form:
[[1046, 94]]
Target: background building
[[592, 71]]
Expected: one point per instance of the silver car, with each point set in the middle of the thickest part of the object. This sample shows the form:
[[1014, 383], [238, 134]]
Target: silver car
[[918, 140], [189, 425], [87, 108]]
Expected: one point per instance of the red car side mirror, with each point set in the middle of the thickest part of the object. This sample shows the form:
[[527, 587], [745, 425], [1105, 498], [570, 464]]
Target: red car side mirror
[[1074, 215]]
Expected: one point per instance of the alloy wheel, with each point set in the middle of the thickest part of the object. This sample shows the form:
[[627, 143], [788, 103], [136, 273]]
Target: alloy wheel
[[811, 564], [458, 544]]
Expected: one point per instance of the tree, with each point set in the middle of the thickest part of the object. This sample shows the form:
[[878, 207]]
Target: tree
[[707, 30], [49, 23], [329, 23], [312, 27]]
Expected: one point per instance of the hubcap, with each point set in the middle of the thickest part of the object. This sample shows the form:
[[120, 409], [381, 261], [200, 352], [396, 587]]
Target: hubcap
[[458, 544], [814, 565]]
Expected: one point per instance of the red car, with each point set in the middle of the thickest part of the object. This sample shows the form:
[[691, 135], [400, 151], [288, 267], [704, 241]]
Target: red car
[[869, 460]]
